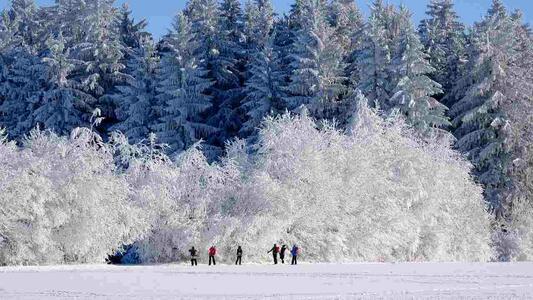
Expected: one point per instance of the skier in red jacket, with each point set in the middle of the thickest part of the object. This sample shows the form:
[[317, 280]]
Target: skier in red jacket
[[212, 252]]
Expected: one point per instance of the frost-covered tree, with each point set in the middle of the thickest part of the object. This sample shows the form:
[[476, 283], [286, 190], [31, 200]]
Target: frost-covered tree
[[258, 24], [30, 24], [21, 87], [484, 98], [316, 62], [132, 33], [178, 199], [417, 196], [225, 113], [313, 183], [373, 59], [134, 101], [63, 105], [443, 36], [347, 19], [520, 82], [61, 201], [182, 90], [21, 69], [216, 29], [70, 19], [102, 52], [414, 92], [264, 93]]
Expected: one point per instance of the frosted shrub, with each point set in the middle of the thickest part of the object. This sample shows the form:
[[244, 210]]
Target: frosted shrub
[[176, 199], [376, 194], [61, 201], [521, 228]]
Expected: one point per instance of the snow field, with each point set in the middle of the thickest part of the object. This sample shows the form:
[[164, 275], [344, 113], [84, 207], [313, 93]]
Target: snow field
[[305, 281]]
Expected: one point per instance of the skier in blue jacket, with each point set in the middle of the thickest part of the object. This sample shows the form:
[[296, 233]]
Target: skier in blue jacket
[[294, 252]]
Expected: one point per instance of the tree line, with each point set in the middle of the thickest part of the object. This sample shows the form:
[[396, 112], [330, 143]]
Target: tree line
[[223, 68]]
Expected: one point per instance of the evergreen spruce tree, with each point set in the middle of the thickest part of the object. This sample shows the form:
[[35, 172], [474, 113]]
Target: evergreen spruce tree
[[444, 40], [264, 92], [373, 59], [225, 112], [215, 29], [134, 100], [102, 52], [484, 96], [182, 90], [63, 105], [414, 89], [30, 27], [71, 20], [20, 88], [347, 20], [316, 79], [132, 33], [259, 23]]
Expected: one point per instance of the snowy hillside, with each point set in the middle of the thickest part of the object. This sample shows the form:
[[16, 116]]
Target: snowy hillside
[[320, 281]]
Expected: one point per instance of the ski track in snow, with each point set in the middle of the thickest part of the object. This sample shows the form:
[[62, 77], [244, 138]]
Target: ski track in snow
[[306, 281]]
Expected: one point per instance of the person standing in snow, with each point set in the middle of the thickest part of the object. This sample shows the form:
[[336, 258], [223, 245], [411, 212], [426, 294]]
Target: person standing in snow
[[294, 252], [212, 252], [239, 255], [275, 251], [282, 253], [194, 254]]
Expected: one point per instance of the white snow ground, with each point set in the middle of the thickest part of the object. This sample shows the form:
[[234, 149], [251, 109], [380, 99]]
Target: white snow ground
[[305, 281]]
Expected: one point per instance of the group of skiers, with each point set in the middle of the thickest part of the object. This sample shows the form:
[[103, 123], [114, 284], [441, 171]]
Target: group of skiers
[[212, 252], [295, 251]]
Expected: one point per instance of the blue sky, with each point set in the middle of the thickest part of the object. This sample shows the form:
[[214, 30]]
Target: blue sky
[[160, 12]]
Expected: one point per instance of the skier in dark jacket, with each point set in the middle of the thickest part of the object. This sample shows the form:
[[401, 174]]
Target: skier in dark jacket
[[212, 252], [275, 251], [282, 253], [239, 256], [194, 254], [294, 252]]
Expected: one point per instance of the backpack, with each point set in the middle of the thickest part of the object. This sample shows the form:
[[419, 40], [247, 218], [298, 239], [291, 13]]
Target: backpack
[[276, 250], [212, 251]]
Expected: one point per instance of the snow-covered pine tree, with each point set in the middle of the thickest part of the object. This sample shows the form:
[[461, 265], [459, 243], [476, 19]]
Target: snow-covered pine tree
[[134, 100], [215, 32], [443, 37], [20, 88], [102, 52], [182, 90], [63, 105], [259, 23], [317, 77], [373, 59], [20, 80], [70, 19], [226, 113], [31, 28], [264, 89], [482, 123], [347, 19], [520, 80], [414, 90], [132, 33]]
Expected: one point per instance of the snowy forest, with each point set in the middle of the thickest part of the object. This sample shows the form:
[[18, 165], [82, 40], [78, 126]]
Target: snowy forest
[[358, 138]]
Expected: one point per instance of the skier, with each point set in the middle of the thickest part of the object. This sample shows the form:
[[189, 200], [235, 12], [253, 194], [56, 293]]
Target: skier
[[294, 252], [239, 255], [193, 253], [275, 251], [282, 253], [212, 252]]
